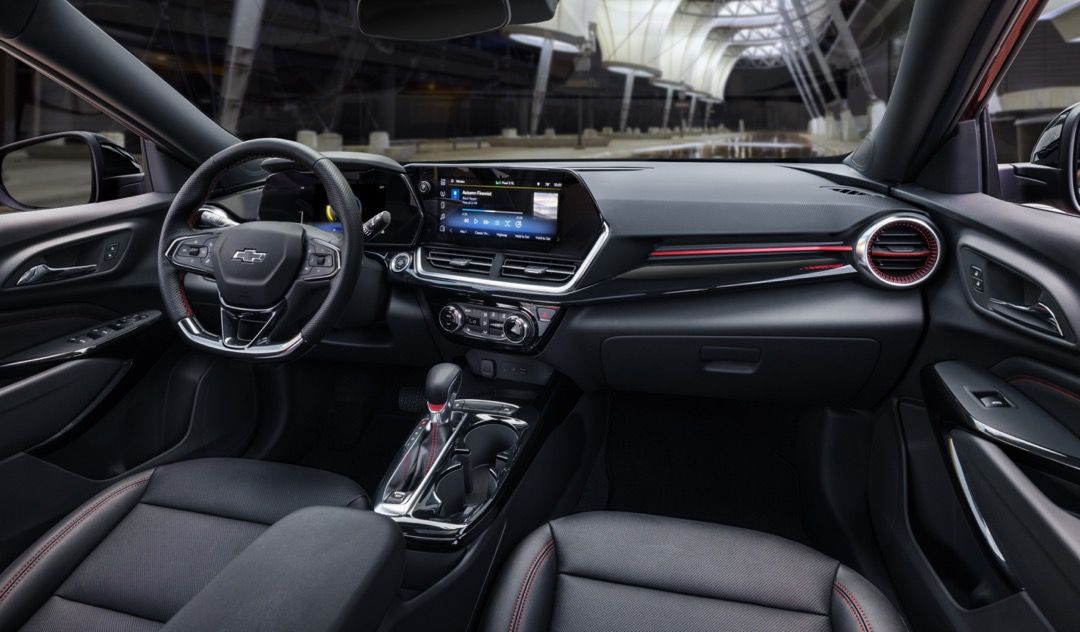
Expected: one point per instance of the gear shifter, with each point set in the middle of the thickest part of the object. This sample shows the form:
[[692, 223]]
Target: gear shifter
[[423, 449], [443, 382]]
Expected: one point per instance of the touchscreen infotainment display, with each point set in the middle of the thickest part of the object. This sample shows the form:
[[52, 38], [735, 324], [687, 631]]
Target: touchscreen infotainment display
[[501, 206]]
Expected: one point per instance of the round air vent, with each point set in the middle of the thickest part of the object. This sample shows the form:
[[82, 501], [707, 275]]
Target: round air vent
[[899, 251]]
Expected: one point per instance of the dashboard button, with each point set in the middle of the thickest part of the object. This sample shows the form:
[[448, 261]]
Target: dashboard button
[[450, 318], [400, 262]]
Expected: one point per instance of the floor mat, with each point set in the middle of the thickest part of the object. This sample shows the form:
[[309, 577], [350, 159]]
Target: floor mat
[[717, 461]]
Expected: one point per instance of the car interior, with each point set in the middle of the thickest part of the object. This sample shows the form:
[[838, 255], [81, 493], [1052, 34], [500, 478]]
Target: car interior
[[630, 315]]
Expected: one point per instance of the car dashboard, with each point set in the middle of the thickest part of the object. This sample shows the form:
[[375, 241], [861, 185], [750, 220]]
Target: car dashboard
[[753, 280]]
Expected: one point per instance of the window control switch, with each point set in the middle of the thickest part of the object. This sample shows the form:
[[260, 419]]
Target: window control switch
[[993, 399]]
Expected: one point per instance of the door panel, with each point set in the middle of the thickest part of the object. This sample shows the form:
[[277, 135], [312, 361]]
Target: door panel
[[1038, 541], [89, 390], [1000, 375]]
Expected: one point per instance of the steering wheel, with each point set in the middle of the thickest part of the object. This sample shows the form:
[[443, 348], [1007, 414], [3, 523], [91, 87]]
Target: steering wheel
[[269, 275]]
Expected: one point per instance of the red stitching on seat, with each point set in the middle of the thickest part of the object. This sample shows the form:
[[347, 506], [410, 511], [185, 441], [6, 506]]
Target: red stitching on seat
[[29, 564], [526, 585], [849, 599]]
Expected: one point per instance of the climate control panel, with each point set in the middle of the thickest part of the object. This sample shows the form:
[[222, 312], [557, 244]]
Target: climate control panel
[[518, 326]]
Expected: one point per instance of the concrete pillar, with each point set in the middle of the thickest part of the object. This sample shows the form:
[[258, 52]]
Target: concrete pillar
[[239, 59], [329, 141], [670, 93], [543, 71], [307, 137], [628, 95], [379, 142]]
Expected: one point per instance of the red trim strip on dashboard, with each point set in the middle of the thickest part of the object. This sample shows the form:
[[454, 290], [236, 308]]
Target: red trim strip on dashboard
[[747, 250]]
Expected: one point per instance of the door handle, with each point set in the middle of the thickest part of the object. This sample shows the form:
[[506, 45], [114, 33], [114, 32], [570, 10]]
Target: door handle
[[1038, 316], [44, 273]]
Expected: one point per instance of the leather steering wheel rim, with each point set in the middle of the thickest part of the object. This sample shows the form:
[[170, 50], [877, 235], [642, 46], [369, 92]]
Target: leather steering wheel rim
[[177, 226]]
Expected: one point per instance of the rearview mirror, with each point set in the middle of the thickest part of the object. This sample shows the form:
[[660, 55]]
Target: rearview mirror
[[427, 20]]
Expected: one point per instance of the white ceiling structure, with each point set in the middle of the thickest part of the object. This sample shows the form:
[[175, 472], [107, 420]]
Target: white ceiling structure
[[662, 39], [631, 34], [570, 28]]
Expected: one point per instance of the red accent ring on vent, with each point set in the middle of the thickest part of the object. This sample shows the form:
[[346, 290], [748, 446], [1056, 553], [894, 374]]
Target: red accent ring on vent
[[930, 254]]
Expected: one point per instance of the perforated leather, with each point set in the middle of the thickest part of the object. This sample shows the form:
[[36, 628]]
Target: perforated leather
[[134, 555], [630, 572]]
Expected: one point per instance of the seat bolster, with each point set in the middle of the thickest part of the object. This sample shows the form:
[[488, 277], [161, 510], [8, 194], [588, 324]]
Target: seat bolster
[[858, 606], [31, 579], [523, 599]]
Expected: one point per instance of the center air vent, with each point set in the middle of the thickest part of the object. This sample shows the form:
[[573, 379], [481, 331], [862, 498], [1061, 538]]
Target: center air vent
[[468, 261], [899, 251], [538, 269]]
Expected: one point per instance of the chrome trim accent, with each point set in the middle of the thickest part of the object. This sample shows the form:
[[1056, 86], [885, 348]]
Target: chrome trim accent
[[194, 333], [465, 419], [152, 317], [485, 406], [979, 520], [1025, 445], [1040, 312], [404, 508], [530, 288], [44, 273], [862, 248], [237, 313]]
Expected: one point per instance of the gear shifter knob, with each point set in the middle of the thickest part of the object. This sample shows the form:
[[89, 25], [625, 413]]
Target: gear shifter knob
[[443, 381]]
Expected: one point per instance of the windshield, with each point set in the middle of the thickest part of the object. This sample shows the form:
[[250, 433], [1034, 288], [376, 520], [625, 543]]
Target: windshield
[[689, 79]]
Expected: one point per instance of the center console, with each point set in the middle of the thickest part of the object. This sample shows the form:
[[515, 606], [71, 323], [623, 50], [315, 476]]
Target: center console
[[454, 465]]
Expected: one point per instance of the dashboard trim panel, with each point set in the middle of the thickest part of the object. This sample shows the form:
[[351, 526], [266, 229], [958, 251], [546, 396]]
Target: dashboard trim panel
[[531, 288]]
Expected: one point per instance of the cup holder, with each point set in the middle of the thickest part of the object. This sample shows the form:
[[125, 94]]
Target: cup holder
[[486, 441], [450, 490]]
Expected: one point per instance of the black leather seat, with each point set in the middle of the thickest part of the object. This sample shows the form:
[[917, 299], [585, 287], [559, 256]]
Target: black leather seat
[[625, 572], [134, 556]]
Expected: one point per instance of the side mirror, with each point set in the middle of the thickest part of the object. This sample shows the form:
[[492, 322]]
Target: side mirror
[[1056, 149], [65, 169], [428, 20]]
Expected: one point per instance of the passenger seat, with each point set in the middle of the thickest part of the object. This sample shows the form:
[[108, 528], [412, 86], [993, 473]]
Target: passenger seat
[[623, 572]]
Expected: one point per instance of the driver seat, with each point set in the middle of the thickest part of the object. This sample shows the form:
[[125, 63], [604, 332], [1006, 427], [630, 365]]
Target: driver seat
[[135, 557]]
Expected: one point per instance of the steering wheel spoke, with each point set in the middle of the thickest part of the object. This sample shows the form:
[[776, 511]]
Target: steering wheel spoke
[[322, 260], [194, 252]]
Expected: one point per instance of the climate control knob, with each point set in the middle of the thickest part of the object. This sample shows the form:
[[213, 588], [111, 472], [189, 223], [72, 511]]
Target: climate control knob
[[517, 329], [450, 318]]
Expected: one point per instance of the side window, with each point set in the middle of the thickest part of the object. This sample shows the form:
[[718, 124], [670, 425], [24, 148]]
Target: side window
[[57, 150], [1042, 81]]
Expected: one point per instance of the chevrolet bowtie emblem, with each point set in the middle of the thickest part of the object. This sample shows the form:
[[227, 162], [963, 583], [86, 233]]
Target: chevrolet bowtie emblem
[[249, 255]]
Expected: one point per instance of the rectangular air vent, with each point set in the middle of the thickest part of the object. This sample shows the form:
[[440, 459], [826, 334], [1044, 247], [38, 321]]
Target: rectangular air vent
[[457, 260], [538, 269]]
